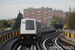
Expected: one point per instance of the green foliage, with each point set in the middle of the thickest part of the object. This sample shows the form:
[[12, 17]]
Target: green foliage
[[53, 22], [2, 26], [11, 22], [59, 19], [70, 24], [5, 22], [18, 21]]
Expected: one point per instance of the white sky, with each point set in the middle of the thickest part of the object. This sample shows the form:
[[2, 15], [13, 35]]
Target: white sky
[[11, 8]]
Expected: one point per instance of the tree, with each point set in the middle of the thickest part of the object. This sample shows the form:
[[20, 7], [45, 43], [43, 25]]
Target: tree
[[5, 22], [70, 24], [59, 19], [53, 22], [11, 22], [2, 26], [18, 21]]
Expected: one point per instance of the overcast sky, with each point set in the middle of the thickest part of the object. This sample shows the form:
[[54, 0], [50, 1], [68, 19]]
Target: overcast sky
[[11, 8]]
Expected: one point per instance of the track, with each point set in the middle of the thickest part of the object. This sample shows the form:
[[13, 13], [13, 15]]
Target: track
[[61, 45], [47, 40], [19, 47], [38, 46], [65, 46], [8, 45], [57, 45], [24, 48], [33, 47]]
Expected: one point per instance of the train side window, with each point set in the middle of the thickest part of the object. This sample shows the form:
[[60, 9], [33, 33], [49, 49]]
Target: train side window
[[29, 24]]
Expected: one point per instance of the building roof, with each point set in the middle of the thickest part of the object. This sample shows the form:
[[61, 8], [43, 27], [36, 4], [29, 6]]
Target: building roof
[[42, 8], [57, 10]]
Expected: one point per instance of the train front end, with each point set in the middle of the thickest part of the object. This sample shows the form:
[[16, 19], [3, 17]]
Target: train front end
[[28, 32]]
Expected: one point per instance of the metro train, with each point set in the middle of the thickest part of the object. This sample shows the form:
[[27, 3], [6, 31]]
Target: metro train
[[58, 26], [30, 31]]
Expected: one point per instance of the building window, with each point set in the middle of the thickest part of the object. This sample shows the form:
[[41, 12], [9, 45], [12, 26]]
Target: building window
[[33, 16], [44, 15], [39, 14], [45, 18], [39, 20], [49, 17], [26, 12], [39, 17], [49, 11], [39, 11], [44, 21], [48, 14], [48, 20], [33, 13], [63, 15], [45, 12]]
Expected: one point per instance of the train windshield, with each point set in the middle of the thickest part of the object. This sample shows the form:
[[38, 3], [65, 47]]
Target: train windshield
[[29, 25]]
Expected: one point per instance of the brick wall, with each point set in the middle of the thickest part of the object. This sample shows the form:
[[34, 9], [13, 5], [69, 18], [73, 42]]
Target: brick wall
[[41, 14]]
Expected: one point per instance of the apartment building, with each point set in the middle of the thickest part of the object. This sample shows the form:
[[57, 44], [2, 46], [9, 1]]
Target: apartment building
[[43, 15], [60, 13]]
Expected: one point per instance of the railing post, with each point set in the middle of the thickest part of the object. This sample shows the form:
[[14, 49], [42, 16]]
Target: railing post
[[67, 34], [19, 32], [13, 34], [7, 36], [2, 39], [72, 35], [10, 35], [16, 33]]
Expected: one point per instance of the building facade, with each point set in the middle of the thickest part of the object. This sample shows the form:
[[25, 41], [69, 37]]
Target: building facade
[[74, 9], [44, 15], [60, 13]]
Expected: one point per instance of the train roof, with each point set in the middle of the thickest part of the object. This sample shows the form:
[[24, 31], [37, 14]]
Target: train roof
[[31, 19], [28, 19]]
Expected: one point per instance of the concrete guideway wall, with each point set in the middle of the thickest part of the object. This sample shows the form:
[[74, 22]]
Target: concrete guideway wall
[[8, 34], [69, 34]]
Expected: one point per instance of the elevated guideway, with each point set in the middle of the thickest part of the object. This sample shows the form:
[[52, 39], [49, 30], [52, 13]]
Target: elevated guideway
[[7, 38], [67, 39]]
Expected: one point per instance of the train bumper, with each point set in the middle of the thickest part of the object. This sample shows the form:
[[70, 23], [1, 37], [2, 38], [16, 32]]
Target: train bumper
[[26, 43]]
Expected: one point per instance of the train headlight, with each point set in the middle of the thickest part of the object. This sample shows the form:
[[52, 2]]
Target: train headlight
[[33, 37], [22, 37]]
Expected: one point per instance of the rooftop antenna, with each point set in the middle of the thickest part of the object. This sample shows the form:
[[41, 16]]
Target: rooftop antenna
[[70, 10], [19, 11]]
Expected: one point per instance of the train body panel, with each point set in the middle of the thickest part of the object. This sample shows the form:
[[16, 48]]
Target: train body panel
[[58, 26], [28, 26], [28, 31]]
